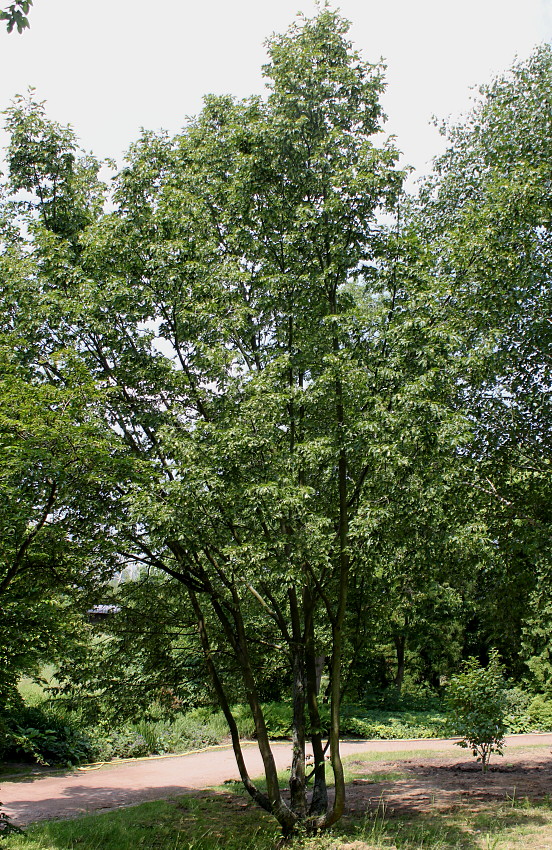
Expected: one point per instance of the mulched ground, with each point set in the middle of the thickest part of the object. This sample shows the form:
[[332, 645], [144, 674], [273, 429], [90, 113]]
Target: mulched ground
[[441, 784]]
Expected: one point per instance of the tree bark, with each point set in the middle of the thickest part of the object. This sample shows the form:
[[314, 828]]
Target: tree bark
[[319, 800], [279, 808], [297, 779], [260, 798], [400, 646]]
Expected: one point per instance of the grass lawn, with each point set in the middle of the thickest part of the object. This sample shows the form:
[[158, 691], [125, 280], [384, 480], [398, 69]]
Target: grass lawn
[[228, 822], [225, 819]]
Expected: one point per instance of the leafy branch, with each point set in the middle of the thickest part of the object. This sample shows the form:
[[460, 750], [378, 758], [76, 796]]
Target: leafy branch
[[16, 15]]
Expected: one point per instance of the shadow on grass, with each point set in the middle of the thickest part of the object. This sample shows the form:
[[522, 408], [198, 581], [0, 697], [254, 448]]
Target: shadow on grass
[[223, 820], [201, 822]]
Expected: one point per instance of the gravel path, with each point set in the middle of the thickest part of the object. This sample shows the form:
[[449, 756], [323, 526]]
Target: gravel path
[[74, 792]]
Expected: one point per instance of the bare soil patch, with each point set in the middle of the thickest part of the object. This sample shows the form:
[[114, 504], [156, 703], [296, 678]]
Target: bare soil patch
[[439, 784]]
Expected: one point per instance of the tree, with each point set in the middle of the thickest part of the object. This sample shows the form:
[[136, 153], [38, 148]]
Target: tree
[[254, 220], [57, 453], [273, 397], [486, 220], [214, 310]]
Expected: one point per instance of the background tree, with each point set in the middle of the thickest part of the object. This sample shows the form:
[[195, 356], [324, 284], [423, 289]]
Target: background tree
[[57, 453], [487, 219]]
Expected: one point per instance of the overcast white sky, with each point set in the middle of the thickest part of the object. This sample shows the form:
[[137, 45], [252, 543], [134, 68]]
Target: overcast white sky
[[109, 68]]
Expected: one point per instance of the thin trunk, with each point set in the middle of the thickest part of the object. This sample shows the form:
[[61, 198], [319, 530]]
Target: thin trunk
[[260, 798], [335, 757], [319, 800], [297, 780], [400, 645], [343, 582], [279, 808]]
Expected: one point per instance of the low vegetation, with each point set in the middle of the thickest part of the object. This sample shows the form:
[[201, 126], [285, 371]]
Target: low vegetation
[[44, 731], [476, 700]]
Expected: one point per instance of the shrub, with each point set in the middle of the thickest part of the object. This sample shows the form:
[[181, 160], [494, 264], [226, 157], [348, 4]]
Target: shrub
[[44, 736], [517, 717], [122, 743], [278, 719], [413, 696], [476, 702], [540, 713], [388, 726]]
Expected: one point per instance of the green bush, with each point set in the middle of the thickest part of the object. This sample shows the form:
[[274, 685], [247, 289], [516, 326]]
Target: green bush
[[133, 740], [413, 696], [118, 743], [540, 713], [517, 718], [477, 706], [279, 719], [42, 735]]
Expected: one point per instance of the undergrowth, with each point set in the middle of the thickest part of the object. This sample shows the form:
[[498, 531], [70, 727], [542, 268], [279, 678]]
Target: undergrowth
[[47, 732]]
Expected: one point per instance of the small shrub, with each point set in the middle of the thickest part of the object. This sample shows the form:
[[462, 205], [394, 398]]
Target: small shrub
[[123, 743], [387, 725], [190, 731], [476, 703], [413, 696]]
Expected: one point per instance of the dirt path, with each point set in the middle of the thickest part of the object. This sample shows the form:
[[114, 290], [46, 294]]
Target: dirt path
[[75, 792]]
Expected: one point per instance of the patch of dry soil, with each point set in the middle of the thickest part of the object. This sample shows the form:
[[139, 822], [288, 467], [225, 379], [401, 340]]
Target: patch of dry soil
[[442, 783]]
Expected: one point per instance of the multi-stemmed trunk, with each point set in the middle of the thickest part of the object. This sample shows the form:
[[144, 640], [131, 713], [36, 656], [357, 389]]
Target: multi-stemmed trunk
[[302, 806]]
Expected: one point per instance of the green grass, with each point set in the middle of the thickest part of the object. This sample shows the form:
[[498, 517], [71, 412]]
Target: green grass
[[34, 692], [228, 822], [202, 823], [402, 755]]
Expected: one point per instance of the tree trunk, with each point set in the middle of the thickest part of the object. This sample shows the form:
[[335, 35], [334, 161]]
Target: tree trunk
[[338, 620], [319, 800], [260, 798], [297, 779], [400, 646], [279, 808]]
